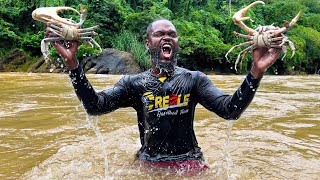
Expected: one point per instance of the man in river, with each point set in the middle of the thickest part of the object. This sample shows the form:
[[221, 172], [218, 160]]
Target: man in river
[[165, 97]]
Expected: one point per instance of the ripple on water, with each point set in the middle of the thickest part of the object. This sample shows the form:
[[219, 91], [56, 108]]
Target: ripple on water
[[295, 126], [264, 144], [84, 159]]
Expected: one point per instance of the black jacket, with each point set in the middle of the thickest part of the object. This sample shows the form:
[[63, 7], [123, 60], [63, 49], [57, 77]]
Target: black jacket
[[166, 109]]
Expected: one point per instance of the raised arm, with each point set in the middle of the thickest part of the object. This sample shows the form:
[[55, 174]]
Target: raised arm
[[231, 107], [94, 103], [102, 102]]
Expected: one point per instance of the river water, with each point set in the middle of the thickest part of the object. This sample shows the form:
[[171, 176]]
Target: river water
[[46, 134]]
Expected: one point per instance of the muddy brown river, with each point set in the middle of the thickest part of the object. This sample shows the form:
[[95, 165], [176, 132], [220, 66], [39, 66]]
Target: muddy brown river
[[46, 134]]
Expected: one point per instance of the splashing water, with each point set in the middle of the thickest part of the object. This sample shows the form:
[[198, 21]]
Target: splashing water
[[227, 162], [276, 138], [93, 123], [227, 148]]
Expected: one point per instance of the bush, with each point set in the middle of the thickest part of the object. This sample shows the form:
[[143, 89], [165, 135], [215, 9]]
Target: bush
[[127, 41], [200, 45], [32, 42]]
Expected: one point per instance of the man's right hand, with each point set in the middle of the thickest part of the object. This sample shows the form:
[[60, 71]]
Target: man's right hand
[[67, 50]]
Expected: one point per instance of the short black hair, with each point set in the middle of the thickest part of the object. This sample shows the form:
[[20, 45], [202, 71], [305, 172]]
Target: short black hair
[[150, 25]]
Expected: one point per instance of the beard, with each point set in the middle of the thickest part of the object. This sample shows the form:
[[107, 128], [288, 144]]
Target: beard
[[164, 66]]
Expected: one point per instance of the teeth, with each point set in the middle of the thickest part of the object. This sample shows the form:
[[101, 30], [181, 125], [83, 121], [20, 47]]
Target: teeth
[[166, 48]]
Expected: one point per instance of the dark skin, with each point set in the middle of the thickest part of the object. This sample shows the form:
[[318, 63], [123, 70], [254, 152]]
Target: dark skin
[[162, 30], [165, 30]]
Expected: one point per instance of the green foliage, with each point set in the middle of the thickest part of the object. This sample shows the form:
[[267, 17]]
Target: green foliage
[[281, 10], [110, 15], [8, 37], [312, 5], [200, 45], [311, 49], [311, 20], [31, 42], [3, 53], [86, 50], [204, 27], [127, 41], [138, 22]]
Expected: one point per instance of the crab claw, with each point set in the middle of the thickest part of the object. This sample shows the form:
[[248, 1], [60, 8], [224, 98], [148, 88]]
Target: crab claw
[[45, 14], [83, 15], [238, 18], [288, 25]]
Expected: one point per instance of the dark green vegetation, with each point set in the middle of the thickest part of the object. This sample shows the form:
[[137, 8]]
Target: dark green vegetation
[[204, 27]]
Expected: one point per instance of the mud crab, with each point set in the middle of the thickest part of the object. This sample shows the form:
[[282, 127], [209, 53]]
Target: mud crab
[[64, 29], [264, 36]]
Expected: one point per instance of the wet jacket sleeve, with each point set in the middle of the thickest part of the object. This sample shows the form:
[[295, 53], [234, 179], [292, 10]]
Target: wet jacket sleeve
[[229, 107], [98, 103]]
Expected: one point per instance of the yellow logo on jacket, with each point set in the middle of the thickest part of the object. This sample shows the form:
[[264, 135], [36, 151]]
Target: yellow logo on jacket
[[157, 103]]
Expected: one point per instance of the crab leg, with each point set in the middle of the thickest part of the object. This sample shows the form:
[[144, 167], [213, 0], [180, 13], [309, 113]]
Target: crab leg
[[89, 29], [234, 47], [243, 35], [87, 33], [58, 33], [96, 44], [91, 41], [284, 49], [277, 39], [242, 55], [291, 45], [45, 45], [55, 27]]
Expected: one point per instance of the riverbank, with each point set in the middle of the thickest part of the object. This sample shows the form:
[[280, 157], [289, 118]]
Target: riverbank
[[110, 61]]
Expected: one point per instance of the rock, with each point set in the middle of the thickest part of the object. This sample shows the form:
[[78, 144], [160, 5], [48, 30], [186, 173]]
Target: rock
[[111, 61], [37, 65], [15, 60]]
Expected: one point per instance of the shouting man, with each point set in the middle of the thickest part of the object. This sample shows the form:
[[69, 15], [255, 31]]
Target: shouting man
[[165, 97]]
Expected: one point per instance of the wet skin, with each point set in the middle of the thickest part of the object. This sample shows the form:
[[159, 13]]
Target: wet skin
[[163, 37]]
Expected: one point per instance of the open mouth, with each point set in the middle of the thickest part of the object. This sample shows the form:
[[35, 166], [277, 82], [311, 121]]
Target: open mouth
[[166, 51]]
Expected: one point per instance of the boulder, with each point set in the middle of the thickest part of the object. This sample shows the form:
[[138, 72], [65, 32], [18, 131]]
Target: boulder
[[14, 61], [111, 61]]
